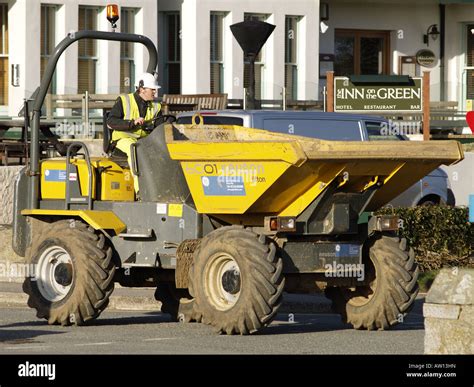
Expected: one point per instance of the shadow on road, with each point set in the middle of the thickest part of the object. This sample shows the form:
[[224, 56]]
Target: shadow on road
[[25, 324], [301, 323], [23, 336], [148, 318], [414, 320], [284, 323]]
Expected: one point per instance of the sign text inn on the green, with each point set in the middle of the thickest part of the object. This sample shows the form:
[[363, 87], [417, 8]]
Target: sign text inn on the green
[[377, 97]]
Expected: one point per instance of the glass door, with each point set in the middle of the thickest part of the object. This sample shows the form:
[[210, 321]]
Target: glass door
[[361, 52]]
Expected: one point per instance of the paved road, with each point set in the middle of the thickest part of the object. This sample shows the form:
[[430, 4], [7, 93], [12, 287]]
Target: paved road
[[152, 333]]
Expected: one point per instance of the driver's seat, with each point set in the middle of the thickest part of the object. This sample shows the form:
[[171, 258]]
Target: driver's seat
[[108, 145]]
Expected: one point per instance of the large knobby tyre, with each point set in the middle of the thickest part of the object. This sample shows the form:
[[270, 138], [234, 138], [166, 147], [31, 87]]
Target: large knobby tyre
[[390, 291], [178, 303], [236, 280], [74, 273]]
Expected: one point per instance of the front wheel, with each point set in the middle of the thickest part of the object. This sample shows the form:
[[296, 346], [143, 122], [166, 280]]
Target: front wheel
[[236, 280], [389, 291], [74, 273]]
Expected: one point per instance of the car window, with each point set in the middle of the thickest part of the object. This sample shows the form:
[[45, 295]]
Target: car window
[[213, 120], [335, 130], [380, 131]]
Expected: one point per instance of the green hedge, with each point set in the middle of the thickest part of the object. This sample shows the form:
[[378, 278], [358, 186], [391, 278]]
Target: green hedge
[[440, 235]]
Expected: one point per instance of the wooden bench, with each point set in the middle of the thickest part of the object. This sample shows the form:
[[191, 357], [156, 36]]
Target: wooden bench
[[444, 117], [177, 103], [278, 104], [85, 102]]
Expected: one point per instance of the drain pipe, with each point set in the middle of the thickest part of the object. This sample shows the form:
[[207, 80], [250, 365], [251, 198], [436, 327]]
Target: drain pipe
[[442, 47]]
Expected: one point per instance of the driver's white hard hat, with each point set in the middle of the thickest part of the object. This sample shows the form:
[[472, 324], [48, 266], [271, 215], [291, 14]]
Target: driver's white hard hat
[[147, 80]]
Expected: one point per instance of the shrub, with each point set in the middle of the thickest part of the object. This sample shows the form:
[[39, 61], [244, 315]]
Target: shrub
[[440, 235]]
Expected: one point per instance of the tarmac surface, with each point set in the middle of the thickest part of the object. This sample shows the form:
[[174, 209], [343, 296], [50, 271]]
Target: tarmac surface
[[133, 324]]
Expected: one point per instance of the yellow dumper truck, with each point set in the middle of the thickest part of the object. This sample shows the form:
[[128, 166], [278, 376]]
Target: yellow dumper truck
[[228, 219]]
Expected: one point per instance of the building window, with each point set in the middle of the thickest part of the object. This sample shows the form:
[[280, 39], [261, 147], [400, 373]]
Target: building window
[[173, 53], [291, 56], [4, 54], [87, 68], [217, 52], [259, 63], [127, 64], [48, 33], [362, 52], [470, 63]]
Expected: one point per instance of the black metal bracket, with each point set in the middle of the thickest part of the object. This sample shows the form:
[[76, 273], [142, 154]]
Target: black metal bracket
[[68, 199]]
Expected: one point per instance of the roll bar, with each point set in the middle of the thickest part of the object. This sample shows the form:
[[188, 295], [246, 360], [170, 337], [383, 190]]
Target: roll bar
[[33, 172]]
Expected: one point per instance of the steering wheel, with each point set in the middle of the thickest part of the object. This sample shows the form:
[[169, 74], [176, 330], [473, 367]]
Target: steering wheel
[[149, 125]]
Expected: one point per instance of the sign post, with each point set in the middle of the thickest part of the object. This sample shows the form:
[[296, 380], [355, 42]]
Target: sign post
[[426, 105], [330, 91]]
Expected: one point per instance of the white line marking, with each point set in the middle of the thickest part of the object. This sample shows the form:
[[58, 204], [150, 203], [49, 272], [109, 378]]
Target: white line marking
[[29, 347], [85, 344]]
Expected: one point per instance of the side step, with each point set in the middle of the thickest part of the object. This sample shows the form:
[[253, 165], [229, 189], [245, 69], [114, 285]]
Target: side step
[[135, 233]]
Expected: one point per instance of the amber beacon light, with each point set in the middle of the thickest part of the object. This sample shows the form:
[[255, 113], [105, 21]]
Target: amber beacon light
[[113, 14]]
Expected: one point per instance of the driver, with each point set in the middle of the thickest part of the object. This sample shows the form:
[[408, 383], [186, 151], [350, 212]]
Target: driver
[[131, 111]]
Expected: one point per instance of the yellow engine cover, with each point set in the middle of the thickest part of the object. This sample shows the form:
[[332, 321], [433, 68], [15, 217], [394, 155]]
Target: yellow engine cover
[[116, 183]]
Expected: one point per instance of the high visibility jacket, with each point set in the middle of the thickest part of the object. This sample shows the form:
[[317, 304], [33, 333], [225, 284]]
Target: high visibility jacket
[[131, 112]]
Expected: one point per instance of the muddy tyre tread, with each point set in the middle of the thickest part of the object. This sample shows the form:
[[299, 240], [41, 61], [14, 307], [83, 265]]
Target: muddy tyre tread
[[94, 272], [396, 290], [262, 281]]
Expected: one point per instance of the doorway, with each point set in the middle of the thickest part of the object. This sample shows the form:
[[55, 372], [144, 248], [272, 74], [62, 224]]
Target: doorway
[[361, 52]]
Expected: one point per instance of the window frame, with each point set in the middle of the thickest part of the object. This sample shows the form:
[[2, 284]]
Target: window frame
[[291, 64], [47, 40], [176, 60], [127, 49], [220, 16], [94, 58], [5, 54], [358, 35], [259, 60]]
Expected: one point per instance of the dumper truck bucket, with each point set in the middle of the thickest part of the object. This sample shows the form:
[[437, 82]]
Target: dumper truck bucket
[[237, 170]]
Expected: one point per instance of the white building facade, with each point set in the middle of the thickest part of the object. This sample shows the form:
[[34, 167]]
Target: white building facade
[[198, 53], [377, 36], [211, 60], [31, 29]]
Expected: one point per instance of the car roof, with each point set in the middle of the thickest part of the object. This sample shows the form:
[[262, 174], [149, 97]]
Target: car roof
[[313, 114]]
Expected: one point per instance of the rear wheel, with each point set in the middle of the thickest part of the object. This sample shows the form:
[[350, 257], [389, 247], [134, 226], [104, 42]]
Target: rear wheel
[[74, 273], [236, 280], [390, 288], [430, 201]]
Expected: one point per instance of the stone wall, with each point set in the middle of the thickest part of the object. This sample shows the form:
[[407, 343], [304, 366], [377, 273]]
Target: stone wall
[[7, 183], [449, 313], [6, 251]]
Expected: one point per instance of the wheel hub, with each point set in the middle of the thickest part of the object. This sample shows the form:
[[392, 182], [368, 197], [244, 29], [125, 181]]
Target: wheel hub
[[223, 281], [63, 274], [231, 281], [54, 273]]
